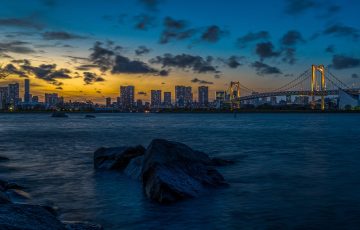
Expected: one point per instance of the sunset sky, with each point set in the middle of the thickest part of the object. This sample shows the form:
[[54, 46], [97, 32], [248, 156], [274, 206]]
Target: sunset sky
[[84, 50]]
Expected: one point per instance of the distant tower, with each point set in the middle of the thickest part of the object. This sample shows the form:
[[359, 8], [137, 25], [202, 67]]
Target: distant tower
[[155, 98], [27, 91], [203, 96]]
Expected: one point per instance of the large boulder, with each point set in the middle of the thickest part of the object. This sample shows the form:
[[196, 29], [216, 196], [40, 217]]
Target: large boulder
[[30, 217], [116, 158], [173, 171], [4, 198]]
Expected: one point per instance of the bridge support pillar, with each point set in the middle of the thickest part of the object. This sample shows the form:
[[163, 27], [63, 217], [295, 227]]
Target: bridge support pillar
[[321, 69]]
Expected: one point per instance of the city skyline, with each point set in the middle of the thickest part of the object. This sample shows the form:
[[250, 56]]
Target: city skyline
[[158, 44]]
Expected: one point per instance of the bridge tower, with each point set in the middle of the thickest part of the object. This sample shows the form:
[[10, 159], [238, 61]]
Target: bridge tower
[[234, 94], [321, 69]]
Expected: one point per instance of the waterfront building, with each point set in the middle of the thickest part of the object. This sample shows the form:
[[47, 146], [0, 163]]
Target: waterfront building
[[203, 96], [183, 96], [3, 97], [13, 94], [167, 99], [27, 97], [51, 99], [108, 102], [155, 98], [127, 97]]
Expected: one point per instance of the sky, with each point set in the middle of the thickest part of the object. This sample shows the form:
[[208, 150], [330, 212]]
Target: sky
[[84, 50]]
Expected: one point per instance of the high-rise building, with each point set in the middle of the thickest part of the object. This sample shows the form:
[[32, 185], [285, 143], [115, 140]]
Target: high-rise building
[[3, 97], [273, 100], [155, 98], [167, 98], [127, 96], [51, 99], [108, 102], [203, 95], [35, 99], [27, 91], [13, 94], [183, 96]]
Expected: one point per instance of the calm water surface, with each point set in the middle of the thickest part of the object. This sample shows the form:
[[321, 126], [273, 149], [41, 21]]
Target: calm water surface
[[293, 170]]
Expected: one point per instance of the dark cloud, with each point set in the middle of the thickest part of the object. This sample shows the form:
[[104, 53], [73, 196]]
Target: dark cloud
[[295, 7], [61, 35], [264, 69], [86, 67], [21, 61], [125, 65], [90, 78], [344, 62], [175, 30], [355, 76], [48, 72], [292, 38], [12, 70], [196, 80], [102, 57], [110, 58], [142, 93], [186, 62], [266, 50], [16, 47], [163, 73], [144, 22], [151, 4], [342, 31], [141, 50], [289, 55], [27, 23], [330, 49], [213, 34], [232, 62], [252, 37]]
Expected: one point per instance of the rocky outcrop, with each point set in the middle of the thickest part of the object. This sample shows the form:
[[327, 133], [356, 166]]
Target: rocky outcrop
[[116, 158], [173, 171], [169, 171], [30, 217]]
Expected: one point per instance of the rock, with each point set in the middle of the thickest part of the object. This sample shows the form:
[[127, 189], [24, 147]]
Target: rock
[[74, 225], [116, 158], [133, 170], [173, 171], [4, 198], [13, 185], [221, 162], [17, 195], [30, 217]]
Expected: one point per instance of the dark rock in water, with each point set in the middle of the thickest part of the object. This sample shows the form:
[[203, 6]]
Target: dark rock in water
[[30, 217], [89, 116], [116, 158], [17, 195], [173, 171], [13, 185], [4, 198], [73, 225], [59, 114], [133, 170], [2, 158], [221, 162]]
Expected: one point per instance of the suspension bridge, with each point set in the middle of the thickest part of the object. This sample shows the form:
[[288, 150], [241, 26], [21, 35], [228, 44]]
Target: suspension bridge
[[316, 81]]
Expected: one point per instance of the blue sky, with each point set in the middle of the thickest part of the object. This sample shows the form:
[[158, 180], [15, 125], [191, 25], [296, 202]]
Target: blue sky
[[259, 43]]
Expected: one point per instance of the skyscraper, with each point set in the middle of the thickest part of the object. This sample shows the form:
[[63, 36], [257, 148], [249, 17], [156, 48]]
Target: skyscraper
[[203, 95], [183, 96], [108, 102], [27, 91], [51, 99], [155, 98], [3, 97], [13, 94], [127, 96], [167, 98]]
